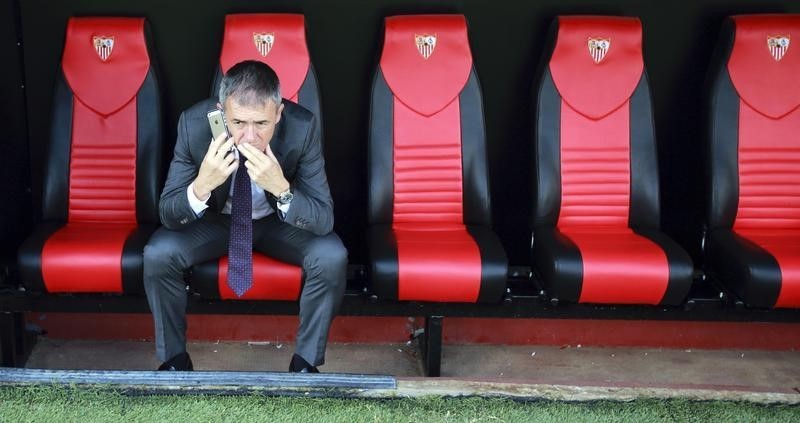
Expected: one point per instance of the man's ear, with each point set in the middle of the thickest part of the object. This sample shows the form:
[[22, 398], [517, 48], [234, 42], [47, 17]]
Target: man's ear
[[280, 113]]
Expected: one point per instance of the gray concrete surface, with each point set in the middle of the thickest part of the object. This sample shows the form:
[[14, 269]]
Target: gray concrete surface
[[395, 359], [644, 367], [607, 368]]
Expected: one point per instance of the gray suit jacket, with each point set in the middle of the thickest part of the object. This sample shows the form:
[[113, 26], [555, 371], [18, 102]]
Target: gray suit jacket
[[297, 147]]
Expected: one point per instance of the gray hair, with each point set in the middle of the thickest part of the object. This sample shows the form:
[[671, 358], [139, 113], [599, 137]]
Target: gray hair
[[250, 83]]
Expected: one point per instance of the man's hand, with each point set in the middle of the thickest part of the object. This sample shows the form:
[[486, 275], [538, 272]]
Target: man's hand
[[264, 169], [217, 166]]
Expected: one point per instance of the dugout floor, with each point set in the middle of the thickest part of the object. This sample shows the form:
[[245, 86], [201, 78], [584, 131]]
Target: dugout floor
[[613, 371]]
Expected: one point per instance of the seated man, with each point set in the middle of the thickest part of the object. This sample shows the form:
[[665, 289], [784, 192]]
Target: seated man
[[274, 160]]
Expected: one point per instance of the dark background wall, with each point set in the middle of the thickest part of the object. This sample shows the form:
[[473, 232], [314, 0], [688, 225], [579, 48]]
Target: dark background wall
[[344, 39], [15, 198]]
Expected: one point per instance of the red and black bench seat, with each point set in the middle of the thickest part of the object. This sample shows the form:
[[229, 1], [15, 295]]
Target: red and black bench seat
[[596, 202], [753, 243], [278, 40], [429, 236], [103, 164]]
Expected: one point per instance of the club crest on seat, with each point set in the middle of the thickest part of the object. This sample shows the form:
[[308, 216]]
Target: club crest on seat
[[598, 48], [103, 45], [264, 42], [778, 45], [425, 44]]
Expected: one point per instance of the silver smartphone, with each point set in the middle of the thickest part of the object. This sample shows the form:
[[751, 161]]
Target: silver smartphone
[[216, 120]]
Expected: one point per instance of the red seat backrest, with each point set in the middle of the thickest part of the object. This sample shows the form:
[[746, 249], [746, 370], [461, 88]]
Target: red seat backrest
[[105, 63], [426, 63], [596, 66], [279, 40], [764, 66]]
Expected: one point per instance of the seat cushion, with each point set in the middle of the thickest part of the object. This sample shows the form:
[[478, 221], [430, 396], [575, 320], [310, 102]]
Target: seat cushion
[[612, 266], [762, 267], [106, 256], [437, 263], [272, 280]]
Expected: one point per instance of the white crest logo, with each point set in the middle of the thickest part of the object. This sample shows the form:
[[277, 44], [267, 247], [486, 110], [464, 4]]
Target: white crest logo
[[264, 42], [778, 45], [103, 45], [598, 47], [425, 44]]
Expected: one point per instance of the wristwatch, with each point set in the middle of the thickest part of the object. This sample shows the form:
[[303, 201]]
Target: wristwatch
[[285, 197]]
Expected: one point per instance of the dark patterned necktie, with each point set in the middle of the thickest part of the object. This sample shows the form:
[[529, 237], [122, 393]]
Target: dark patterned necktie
[[240, 248]]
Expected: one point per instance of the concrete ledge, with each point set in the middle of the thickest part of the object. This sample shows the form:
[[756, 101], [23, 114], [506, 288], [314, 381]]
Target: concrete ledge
[[199, 382], [571, 393], [370, 386]]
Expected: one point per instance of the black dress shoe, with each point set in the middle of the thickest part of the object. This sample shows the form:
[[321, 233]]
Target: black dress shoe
[[181, 362], [299, 365]]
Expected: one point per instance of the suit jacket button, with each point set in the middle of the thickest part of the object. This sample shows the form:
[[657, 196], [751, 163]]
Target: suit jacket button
[[184, 220]]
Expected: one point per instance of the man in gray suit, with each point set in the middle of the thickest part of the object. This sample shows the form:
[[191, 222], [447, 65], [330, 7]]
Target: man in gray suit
[[292, 209]]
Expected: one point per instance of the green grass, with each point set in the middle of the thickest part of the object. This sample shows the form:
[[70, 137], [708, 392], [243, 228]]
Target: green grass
[[46, 404]]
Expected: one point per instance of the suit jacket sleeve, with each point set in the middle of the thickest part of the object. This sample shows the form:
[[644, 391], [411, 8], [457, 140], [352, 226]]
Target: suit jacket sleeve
[[312, 205], [173, 206]]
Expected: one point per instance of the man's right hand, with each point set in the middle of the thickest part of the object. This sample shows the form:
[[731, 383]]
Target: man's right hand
[[217, 166]]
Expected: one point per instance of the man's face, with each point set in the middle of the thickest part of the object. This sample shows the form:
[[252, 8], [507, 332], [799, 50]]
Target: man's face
[[254, 124]]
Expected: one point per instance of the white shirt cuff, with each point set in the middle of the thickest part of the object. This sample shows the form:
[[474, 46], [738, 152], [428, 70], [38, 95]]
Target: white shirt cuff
[[284, 208], [198, 206]]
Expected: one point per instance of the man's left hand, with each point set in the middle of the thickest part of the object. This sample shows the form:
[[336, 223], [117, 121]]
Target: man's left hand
[[264, 169]]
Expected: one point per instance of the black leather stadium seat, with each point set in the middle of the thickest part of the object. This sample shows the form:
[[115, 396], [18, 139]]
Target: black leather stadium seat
[[429, 236], [103, 173], [595, 218], [753, 242], [278, 40]]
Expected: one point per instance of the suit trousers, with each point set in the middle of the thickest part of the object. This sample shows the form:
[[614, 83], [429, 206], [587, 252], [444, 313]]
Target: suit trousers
[[170, 253]]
